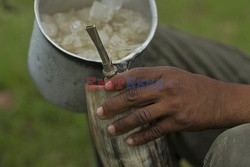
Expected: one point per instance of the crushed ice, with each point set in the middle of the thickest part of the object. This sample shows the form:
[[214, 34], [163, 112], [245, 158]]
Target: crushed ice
[[121, 30]]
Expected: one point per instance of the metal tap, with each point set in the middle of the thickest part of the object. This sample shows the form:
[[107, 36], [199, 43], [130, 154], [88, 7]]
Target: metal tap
[[109, 70]]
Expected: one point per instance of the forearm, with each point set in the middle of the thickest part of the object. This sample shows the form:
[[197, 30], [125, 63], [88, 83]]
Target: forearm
[[236, 101]]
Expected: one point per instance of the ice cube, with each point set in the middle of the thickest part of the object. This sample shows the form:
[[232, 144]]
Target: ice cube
[[48, 26], [61, 20], [76, 27], [117, 42], [114, 4], [125, 32], [123, 54], [68, 41], [101, 12], [123, 15], [83, 14], [90, 54], [77, 43], [50, 29], [46, 18], [112, 53], [108, 29], [139, 25], [104, 37]]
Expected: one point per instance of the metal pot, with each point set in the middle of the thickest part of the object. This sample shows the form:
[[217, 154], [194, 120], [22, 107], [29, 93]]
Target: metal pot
[[59, 75]]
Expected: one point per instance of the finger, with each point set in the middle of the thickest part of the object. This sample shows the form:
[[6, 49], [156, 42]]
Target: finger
[[128, 99], [161, 128], [136, 119], [131, 78]]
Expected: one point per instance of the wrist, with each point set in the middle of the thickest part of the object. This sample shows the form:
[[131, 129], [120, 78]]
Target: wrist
[[235, 100]]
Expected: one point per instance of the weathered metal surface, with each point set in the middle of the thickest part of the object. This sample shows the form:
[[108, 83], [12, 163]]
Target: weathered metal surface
[[113, 150]]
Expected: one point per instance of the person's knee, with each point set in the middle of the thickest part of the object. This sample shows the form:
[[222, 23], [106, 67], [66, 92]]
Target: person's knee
[[230, 149]]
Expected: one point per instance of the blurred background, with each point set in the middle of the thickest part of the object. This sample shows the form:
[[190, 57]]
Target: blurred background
[[35, 133]]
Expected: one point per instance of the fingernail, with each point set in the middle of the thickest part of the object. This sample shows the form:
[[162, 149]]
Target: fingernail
[[108, 85], [130, 141], [111, 129], [100, 112]]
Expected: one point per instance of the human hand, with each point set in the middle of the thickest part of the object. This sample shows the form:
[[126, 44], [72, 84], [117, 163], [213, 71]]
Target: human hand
[[184, 102]]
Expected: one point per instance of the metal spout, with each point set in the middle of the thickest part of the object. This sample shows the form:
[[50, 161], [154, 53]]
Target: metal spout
[[109, 70]]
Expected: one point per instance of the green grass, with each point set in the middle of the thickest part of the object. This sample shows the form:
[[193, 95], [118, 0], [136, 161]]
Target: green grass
[[35, 133], [225, 21]]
